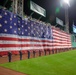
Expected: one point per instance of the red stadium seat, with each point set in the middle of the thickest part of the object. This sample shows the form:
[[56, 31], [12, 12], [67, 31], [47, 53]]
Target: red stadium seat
[[15, 52], [3, 53], [24, 51]]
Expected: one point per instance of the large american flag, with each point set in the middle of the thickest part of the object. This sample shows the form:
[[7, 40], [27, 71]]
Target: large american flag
[[61, 39], [17, 34]]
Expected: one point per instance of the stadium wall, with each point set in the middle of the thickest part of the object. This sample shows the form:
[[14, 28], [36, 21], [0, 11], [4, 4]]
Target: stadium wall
[[29, 35], [73, 38]]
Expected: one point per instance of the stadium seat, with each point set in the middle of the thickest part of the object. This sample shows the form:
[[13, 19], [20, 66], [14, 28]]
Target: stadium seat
[[24, 51], [3, 53], [15, 52]]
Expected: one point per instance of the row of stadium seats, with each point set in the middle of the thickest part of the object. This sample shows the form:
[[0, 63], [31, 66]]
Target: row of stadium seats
[[5, 53]]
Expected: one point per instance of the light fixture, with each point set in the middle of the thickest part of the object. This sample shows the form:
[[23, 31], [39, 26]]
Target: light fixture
[[67, 2]]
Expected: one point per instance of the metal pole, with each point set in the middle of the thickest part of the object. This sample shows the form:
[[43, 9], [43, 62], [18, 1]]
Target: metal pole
[[31, 14], [15, 6], [40, 17], [66, 19]]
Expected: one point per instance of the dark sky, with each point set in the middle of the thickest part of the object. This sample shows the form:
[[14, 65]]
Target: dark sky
[[50, 6]]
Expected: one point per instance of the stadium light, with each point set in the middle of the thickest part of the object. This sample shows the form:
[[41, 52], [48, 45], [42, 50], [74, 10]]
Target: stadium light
[[67, 2], [66, 5]]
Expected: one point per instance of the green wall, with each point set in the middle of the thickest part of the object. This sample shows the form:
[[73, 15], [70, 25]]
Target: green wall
[[73, 39]]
